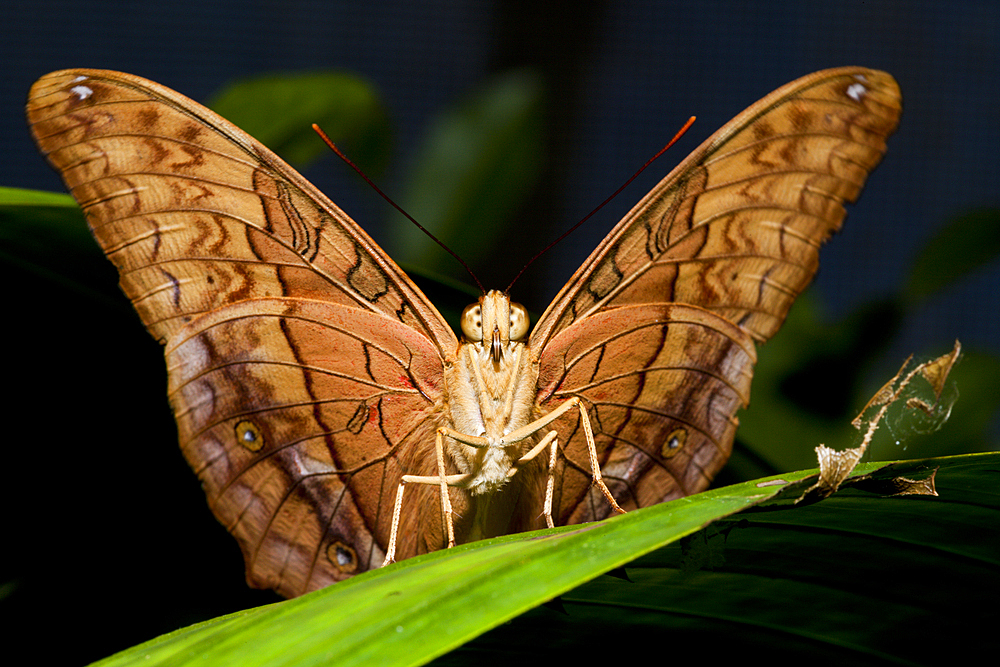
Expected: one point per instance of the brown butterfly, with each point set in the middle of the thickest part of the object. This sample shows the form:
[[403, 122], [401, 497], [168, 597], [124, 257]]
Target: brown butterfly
[[313, 383]]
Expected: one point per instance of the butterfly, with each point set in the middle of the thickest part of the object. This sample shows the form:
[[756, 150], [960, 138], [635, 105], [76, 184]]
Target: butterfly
[[334, 418]]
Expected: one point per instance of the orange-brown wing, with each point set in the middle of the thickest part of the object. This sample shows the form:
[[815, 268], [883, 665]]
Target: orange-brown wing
[[299, 417], [733, 232], [662, 383], [292, 340], [196, 214]]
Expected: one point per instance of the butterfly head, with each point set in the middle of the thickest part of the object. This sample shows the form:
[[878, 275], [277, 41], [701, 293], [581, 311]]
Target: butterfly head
[[497, 319]]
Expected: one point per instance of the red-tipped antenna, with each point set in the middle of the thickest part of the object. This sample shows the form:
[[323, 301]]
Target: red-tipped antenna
[[569, 231], [333, 147]]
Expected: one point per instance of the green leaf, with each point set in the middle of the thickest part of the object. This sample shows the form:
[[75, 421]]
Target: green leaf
[[477, 165], [761, 572], [854, 580], [397, 615], [964, 245], [37, 224], [20, 197], [44, 235], [279, 109]]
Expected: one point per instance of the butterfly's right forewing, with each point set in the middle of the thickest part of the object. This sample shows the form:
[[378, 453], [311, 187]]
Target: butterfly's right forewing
[[196, 214]]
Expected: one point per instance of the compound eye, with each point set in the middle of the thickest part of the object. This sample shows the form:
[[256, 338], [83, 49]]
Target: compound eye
[[472, 323], [519, 321]]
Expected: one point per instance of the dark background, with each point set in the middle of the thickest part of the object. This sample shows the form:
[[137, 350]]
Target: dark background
[[107, 541]]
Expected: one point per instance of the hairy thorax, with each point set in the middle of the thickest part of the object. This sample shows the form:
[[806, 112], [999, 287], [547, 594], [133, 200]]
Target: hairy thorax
[[489, 398]]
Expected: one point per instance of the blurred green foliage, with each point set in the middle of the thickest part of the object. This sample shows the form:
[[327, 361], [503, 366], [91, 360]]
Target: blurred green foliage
[[474, 169], [278, 110]]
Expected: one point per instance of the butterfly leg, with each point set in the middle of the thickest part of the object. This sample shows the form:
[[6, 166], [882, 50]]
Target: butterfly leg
[[588, 432], [548, 441], [550, 484], [440, 479], [446, 511], [390, 550]]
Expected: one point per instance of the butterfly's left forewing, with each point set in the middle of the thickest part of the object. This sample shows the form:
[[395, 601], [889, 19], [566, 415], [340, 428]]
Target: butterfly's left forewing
[[706, 264], [303, 363]]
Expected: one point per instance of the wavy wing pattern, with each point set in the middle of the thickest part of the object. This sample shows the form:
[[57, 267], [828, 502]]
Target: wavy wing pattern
[[734, 230], [306, 371]]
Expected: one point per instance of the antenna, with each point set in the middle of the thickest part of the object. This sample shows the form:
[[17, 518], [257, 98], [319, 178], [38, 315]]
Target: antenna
[[569, 231], [333, 147]]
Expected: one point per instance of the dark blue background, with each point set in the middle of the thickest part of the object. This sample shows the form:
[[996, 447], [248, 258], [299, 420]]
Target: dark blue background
[[623, 76]]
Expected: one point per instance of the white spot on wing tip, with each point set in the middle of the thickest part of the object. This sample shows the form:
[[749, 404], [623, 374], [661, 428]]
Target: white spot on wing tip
[[856, 91], [79, 79], [82, 92]]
